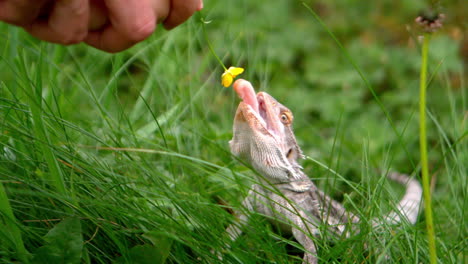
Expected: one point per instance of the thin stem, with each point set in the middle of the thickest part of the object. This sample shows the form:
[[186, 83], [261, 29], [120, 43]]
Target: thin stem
[[209, 44], [423, 150]]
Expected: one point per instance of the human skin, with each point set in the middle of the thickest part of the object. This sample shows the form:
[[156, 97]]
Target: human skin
[[108, 25]]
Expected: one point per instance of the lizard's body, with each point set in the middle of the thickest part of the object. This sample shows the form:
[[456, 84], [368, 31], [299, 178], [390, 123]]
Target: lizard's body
[[263, 136]]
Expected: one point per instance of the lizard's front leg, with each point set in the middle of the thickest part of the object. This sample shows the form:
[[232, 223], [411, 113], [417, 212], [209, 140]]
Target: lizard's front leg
[[234, 230], [302, 232], [301, 223], [310, 251]]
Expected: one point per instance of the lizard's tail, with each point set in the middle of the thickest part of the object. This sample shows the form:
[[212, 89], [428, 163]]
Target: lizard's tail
[[409, 205]]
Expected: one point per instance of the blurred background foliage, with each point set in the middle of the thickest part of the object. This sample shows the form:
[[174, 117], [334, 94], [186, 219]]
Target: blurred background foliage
[[140, 137]]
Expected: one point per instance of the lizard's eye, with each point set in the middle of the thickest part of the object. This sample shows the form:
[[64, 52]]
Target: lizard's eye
[[286, 118]]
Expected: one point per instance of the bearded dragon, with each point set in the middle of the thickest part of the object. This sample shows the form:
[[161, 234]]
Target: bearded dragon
[[263, 137]]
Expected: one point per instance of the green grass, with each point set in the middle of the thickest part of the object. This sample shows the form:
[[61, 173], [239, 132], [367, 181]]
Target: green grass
[[124, 158]]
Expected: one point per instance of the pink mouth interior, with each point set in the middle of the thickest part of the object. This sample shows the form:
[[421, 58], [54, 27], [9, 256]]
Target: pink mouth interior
[[246, 92]]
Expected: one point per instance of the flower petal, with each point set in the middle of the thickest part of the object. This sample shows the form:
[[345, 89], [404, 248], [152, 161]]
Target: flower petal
[[235, 71], [226, 79]]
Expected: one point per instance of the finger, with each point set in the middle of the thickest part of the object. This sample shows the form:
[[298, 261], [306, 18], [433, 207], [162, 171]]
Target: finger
[[98, 16], [131, 21], [134, 19], [181, 10], [67, 23], [20, 12], [109, 40]]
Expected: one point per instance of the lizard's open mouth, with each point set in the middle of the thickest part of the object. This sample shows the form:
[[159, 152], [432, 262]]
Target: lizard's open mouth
[[258, 104]]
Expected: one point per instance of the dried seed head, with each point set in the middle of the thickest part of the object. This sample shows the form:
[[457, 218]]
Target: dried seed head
[[430, 21]]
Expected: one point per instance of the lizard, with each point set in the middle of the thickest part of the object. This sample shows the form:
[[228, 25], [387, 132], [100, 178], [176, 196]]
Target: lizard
[[263, 137]]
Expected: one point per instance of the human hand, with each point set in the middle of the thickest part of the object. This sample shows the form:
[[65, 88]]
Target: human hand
[[109, 25]]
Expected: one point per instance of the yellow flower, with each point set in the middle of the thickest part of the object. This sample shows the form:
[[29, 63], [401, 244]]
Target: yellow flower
[[229, 75]]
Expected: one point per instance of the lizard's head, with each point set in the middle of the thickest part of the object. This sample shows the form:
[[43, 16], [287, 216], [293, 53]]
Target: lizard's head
[[263, 134]]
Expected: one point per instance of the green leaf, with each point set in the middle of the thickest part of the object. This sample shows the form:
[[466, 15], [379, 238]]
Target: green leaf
[[147, 254], [64, 243]]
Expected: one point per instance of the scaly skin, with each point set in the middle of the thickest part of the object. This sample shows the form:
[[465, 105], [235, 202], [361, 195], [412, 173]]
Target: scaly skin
[[263, 136]]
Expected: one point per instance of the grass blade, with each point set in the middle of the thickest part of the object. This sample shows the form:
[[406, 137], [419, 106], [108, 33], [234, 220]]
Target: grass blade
[[9, 227]]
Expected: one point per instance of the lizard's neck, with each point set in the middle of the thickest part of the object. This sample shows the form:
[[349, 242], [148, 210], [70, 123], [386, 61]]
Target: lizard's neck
[[301, 183]]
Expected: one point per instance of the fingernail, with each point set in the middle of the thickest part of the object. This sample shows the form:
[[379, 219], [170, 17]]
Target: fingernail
[[200, 6]]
